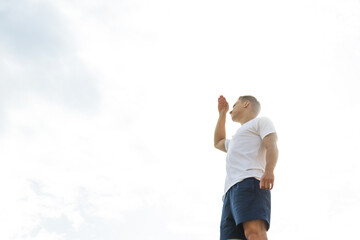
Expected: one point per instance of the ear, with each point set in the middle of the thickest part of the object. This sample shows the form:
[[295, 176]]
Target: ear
[[246, 103]]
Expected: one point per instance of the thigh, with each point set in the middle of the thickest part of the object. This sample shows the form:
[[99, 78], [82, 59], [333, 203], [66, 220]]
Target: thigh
[[255, 226], [228, 226], [251, 203]]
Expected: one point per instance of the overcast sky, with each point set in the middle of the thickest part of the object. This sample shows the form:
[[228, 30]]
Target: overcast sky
[[108, 109]]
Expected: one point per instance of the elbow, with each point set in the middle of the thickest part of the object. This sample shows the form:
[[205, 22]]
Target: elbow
[[220, 146], [217, 145]]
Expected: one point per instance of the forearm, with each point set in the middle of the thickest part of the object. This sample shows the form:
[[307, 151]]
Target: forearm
[[271, 158], [220, 129], [267, 180]]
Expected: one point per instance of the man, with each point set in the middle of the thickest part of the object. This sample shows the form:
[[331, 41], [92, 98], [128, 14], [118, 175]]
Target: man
[[251, 158]]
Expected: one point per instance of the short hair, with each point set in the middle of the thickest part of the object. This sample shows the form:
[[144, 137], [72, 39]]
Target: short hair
[[255, 104]]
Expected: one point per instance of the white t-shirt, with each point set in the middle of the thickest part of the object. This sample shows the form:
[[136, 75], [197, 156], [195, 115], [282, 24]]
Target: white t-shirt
[[246, 152]]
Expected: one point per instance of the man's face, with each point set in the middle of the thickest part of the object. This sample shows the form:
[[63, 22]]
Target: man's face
[[237, 110]]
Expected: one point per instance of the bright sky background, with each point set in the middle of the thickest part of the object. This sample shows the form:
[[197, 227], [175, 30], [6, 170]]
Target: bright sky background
[[108, 109]]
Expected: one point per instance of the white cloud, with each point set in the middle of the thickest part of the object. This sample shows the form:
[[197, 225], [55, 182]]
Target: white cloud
[[38, 57], [110, 109]]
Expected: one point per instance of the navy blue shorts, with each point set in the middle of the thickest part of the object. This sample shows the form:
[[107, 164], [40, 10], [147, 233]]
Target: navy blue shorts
[[243, 202]]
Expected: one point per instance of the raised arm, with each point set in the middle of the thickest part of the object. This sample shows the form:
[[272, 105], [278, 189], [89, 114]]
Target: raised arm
[[220, 134]]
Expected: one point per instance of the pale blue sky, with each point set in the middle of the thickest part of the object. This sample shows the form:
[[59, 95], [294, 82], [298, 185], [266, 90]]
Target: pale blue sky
[[108, 108]]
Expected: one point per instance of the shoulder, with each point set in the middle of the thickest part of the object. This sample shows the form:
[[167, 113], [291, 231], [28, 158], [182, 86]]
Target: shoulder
[[261, 121], [265, 126], [264, 119]]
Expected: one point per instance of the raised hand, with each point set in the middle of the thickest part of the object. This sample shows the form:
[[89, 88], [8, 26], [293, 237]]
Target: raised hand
[[223, 105]]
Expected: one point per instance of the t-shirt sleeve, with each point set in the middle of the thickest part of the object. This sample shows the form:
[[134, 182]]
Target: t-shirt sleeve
[[227, 141], [265, 127]]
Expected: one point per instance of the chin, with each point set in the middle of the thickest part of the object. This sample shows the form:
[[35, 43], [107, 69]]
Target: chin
[[235, 120]]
